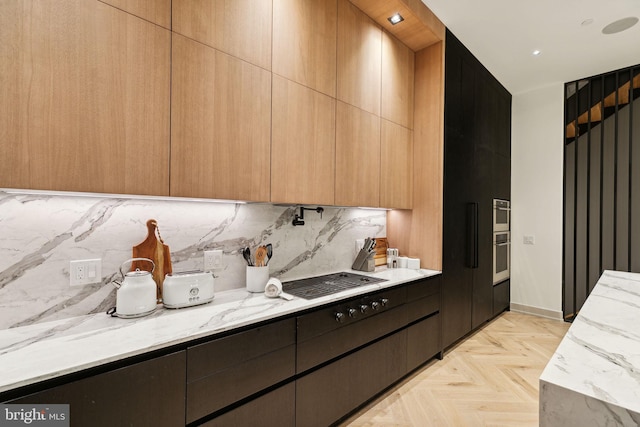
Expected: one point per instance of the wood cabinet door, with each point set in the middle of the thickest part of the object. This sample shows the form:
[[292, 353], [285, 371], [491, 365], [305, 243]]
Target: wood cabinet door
[[241, 28], [396, 171], [156, 11], [397, 81], [357, 157], [359, 58], [302, 144], [84, 99], [304, 43], [220, 125]]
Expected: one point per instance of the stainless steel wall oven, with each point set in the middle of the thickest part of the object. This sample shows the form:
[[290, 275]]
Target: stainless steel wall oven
[[501, 240]]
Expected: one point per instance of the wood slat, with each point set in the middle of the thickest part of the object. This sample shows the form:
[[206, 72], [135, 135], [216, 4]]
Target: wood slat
[[489, 379]]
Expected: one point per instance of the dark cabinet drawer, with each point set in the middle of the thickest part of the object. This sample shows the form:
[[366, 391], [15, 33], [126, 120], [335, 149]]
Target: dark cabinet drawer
[[423, 288], [208, 358], [423, 307], [331, 392], [325, 347], [274, 409], [149, 393], [324, 320], [423, 341], [224, 371]]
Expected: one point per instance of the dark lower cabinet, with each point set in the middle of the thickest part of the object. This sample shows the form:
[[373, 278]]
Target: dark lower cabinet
[[226, 370], [311, 370], [501, 297], [331, 392], [149, 393], [423, 341], [274, 409]]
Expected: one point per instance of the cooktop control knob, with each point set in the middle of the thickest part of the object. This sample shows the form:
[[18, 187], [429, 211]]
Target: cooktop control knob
[[375, 305], [384, 301], [352, 312], [363, 308], [339, 317]]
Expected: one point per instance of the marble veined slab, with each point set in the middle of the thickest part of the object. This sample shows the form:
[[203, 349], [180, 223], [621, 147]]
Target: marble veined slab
[[46, 350], [593, 379]]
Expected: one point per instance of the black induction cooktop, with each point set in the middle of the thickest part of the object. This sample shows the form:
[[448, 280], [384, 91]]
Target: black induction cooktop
[[319, 286]]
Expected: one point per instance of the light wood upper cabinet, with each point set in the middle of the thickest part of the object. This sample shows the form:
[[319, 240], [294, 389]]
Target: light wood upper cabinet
[[359, 58], [84, 99], [304, 42], [397, 81], [302, 145], [156, 11], [220, 125], [396, 171], [357, 157], [241, 28]]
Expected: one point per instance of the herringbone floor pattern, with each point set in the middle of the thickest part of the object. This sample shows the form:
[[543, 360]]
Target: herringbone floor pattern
[[489, 379]]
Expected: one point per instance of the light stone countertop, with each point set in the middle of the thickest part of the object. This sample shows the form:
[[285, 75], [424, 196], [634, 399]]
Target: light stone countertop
[[47, 350], [593, 379]]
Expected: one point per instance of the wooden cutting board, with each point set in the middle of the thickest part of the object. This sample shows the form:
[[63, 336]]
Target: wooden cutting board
[[153, 247], [380, 257]]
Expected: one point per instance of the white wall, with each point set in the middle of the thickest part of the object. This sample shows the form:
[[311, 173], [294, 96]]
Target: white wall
[[536, 200]]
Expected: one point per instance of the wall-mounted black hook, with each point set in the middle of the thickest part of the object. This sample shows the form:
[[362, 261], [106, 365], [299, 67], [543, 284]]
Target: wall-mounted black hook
[[299, 219]]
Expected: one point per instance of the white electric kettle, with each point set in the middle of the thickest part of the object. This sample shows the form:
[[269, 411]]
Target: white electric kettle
[[136, 296]]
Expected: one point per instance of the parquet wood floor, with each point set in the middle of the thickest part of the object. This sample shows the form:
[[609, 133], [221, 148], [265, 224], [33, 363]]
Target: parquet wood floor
[[489, 379]]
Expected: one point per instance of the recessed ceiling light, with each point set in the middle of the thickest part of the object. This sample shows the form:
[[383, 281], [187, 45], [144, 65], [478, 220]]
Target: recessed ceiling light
[[395, 18], [536, 52], [620, 25]]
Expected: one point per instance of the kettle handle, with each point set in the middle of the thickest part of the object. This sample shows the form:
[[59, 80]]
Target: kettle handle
[[130, 261]]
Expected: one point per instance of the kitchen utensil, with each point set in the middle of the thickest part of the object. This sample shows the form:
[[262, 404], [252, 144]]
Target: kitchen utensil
[[269, 253], [246, 253], [136, 295], [153, 248], [261, 253], [187, 289]]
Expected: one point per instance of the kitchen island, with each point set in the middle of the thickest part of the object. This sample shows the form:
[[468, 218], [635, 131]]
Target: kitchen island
[[593, 379]]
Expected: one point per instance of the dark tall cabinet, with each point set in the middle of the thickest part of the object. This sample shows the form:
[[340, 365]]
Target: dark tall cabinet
[[477, 154]]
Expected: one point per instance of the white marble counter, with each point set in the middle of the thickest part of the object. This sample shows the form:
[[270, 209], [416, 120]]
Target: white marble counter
[[46, 350], [593, 379]]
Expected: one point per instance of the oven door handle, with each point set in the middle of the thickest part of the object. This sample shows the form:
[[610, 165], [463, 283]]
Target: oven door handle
[[502, 244], [499, 208], [472, 235]]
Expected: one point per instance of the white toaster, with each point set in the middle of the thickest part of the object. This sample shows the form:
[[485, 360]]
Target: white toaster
[[187, 289]]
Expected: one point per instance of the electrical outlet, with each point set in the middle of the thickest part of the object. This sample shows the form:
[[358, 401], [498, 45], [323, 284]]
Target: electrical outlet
[[212, 259], [85, 272], [529, 240]]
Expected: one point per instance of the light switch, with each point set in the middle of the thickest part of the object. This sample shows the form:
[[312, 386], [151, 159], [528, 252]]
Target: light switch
[[529, 240]]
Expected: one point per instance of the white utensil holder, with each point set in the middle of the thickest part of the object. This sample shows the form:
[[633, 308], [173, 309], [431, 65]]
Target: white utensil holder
[[257, 278]]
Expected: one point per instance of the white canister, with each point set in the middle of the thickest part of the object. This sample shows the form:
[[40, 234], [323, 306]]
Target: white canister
[[403, 261], [257, 278], [413, 263]]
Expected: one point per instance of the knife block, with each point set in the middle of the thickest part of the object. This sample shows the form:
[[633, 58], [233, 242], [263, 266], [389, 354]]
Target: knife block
[[364, 261]]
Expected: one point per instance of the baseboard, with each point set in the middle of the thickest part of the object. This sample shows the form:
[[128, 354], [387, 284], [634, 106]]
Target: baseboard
[[536, 311]]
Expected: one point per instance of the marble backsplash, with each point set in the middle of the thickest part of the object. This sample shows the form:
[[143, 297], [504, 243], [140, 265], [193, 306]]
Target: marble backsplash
[[41, 233]]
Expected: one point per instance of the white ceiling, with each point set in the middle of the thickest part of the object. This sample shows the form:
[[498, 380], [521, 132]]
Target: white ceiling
[[503, 33]]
